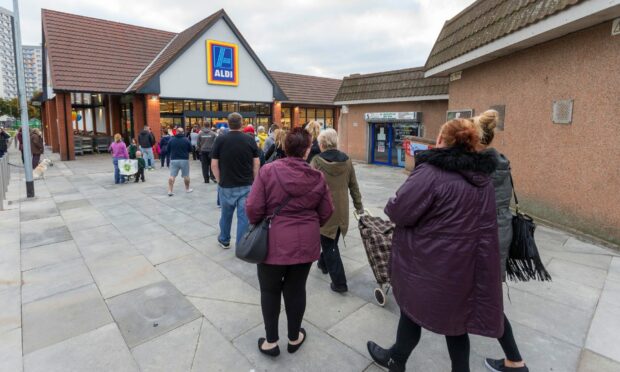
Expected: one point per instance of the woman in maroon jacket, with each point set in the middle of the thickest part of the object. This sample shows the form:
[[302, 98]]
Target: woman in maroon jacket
[[294, 237], [445, 252]]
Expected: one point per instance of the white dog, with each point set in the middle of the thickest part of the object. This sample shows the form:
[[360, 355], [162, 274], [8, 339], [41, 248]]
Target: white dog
[[39, 172]]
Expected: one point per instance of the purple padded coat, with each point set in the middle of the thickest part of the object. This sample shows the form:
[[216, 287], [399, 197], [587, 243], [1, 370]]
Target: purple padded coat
[[445, 264], [294, 236]]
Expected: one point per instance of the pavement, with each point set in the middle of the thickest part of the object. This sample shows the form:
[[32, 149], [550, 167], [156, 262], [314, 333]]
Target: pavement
[[102, 277]]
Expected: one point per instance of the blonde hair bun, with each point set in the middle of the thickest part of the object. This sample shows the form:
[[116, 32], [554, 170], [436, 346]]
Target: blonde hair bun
[[488, 120]]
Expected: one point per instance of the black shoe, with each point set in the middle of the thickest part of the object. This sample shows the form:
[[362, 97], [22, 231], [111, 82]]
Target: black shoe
[[224, 245], [293, 348], [339, 288], [321, 267], [274, 352], [497, 365], [382, 357]]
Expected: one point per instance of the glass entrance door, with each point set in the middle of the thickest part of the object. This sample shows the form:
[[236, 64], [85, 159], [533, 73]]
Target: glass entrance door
[[387, 142], [381, 143]]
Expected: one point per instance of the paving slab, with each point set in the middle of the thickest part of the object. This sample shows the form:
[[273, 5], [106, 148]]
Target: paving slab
[[11, 350], [50, 254], [151, 311], [218, 313], [577, 273], [83, 218], [334, 355], [564, 291], [163, 249], [52, 279], [362, 284], [593, 362], [10, 309], [196, 275], [65, 315], [324, 307], [599, 261], [117, 274], [172, 351], [114, 248], [106, 233], [210, 248], [72, 204], [368, 323], [194, 230], [542, 314], [244, 270], [214, 353], [142, 232], [34, 209], [603, 335], [578, 246], [100, 350], [43, 231]]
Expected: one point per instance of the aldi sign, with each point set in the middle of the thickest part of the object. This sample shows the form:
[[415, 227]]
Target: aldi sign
[[222, 63]]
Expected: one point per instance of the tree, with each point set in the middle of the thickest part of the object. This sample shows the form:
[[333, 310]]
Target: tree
[[11, 107]]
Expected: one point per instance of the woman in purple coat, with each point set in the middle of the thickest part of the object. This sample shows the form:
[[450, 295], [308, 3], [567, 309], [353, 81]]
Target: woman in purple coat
[[294, 237], [445, 252]]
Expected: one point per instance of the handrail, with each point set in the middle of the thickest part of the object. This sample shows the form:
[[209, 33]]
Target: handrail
[[5, 177]]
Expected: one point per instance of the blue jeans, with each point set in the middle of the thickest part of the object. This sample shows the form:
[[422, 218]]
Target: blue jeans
[[117, 172], [232, 198], [147, 154]]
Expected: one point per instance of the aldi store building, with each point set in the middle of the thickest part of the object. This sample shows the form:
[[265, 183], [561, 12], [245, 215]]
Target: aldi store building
[[105, 77]]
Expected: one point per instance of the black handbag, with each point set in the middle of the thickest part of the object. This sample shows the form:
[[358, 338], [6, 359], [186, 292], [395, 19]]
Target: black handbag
[[524, 261], [254, 245]]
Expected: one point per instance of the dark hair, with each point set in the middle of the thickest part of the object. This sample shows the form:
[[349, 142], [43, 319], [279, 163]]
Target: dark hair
[[273, 127], [235, 120], [296, 143]]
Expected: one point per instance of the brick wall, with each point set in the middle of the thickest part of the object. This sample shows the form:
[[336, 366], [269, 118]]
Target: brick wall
[[569, 174], [354, 131]]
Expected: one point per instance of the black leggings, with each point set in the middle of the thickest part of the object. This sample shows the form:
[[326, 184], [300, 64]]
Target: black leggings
[[508, 343], [287, 280], [408, 336], [409, 333]]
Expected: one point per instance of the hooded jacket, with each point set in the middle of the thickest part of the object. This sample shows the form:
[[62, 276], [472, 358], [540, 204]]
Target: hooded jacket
[[294, 235], [445, 265], [179, 147], [206, 140], [146, 139], [36, 144], [503, 196], [340, 176]]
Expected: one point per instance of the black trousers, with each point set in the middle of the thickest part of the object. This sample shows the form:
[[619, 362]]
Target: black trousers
[[165, 158], [408, 336], [205, 158], [287, 280], [194, 153], [35, 160], [140, 174], [409, 333], [330, 259]]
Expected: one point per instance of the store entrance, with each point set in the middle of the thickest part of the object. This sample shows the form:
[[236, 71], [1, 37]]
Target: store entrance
[[387, 142]]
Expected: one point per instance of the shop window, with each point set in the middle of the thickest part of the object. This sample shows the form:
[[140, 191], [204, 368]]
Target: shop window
[[230, 106], [177, 107], [200, 106], [286, 118], [165, 106], [303, 118], [263, 108], [246, 107], [310, 114], [189, 105]]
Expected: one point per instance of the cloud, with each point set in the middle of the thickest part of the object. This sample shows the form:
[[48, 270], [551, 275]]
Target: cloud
[[318, 37]]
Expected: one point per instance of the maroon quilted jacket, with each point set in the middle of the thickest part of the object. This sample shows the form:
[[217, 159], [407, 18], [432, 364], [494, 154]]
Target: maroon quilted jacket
[[294, 236], [445, 264]]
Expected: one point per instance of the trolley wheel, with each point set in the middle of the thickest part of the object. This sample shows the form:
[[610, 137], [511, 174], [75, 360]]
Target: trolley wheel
[[380, 297]]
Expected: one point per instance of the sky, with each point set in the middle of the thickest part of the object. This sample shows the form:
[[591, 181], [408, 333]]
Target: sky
[[332, 38]]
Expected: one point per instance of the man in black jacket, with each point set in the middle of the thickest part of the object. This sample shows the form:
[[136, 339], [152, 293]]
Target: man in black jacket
[[146, 140], [206, 138]]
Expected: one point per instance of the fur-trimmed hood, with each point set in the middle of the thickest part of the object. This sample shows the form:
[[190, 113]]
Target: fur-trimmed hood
[[475, 167]]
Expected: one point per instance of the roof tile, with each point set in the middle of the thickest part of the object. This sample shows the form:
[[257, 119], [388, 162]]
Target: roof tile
[[305, 89]]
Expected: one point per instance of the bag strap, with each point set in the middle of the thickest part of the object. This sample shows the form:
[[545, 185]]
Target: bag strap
[[514, 193], [277, 210]]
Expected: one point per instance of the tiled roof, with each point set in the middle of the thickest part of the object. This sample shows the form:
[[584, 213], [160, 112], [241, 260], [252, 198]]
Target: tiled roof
[[487, 20], [391, 85], [178, 44], [304, 89], [89, 54]]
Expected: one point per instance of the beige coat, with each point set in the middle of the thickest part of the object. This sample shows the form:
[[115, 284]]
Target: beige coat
[[340, 176]]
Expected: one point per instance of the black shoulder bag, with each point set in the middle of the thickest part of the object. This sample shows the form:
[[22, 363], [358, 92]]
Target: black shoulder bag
[[524, 261], [254, 244]]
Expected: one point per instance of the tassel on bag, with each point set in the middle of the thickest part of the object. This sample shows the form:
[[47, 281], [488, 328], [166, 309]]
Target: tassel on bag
[[524, 262]]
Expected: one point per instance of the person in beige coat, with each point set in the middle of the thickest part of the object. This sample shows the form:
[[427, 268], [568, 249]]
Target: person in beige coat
[[340, 176]]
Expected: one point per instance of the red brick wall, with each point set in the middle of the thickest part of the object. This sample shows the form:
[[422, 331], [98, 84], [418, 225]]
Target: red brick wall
[[152, 115], [139, 115], [353, 129], [569, 174]]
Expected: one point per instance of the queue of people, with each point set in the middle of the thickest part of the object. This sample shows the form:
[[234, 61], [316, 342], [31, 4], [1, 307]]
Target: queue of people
[[449, 247]]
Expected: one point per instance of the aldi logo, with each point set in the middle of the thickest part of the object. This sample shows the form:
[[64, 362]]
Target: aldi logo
[[222, 63]]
